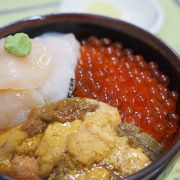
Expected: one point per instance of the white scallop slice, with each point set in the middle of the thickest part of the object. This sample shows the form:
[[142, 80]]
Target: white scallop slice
[[65, 53], [16, 104], [25, 72]]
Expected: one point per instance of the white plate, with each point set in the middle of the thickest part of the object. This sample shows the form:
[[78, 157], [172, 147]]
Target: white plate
[[146, 14]]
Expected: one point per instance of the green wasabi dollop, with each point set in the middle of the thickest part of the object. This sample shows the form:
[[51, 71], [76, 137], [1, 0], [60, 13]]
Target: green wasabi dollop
[[18, 44]]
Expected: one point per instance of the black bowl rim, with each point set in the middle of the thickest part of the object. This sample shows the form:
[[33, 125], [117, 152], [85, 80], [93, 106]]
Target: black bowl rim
[[94, 19]]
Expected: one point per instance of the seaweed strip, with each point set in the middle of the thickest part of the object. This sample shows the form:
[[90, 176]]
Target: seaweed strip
[[71, 88]]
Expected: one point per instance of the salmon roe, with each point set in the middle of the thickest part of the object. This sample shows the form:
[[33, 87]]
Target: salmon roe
[[112, 74]]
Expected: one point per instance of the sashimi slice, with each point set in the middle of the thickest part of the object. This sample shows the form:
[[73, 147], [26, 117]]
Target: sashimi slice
[[65, 53], [25, 72], [16, 104]]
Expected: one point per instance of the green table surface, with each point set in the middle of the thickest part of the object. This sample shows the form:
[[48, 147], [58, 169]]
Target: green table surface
[[12, 10]]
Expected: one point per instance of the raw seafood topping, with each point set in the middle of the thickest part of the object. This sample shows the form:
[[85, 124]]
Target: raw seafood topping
[[110, 73], [63, 111], [84, 138], [41, 77]]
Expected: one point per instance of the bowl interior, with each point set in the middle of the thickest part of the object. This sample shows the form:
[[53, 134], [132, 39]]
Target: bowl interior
[[84, 26]]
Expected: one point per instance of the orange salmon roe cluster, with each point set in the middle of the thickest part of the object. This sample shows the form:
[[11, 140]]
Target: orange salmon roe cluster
[[109, 73]]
